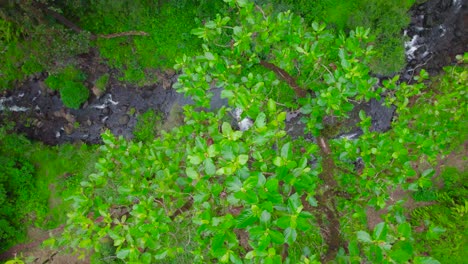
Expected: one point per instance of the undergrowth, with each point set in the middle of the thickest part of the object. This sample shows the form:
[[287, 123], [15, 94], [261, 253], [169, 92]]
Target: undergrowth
[[386, 19], [18, 191], [25, 51], [147, 126], [167, 25], [34, 179], [443, 226]]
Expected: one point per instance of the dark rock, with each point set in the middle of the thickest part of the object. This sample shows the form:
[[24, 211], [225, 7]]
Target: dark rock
[[68, 128], [123, 120], [381, 115]]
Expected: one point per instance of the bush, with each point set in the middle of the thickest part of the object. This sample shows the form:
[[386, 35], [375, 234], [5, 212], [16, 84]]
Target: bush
[[69, 82], [17, 184]]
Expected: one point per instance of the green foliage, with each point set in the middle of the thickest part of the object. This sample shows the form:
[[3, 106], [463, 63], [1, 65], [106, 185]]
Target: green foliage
[[425, 195], [443, 225], [147, 126], [34, 179], [168, 27], [386, 19], [252, 195], [34, 51], [69, 82], [102, 81], [59, 170], [17, 189]]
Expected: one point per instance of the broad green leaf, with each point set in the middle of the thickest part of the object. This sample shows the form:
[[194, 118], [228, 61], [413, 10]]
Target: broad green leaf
[[404, 230], [191, 173], [242, 3], [284, 222], [242, 159], [290, 235], [380, 231], [272, 185], [265, 217], [285, 150], [250, 182], [194, 159], [276, 237], [271, 106], [217, 244], [233, 184], [235, 135], [278, 161], [123, 253], [245, 219], [226, 128], [260, 122], [210, 168], [209, 56], [364, 237], [294, 204], [227, 94]]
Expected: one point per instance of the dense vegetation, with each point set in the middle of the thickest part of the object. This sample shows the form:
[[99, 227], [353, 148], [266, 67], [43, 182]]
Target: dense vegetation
[[206, 191]]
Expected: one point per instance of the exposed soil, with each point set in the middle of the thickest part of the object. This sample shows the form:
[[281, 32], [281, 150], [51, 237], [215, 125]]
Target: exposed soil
[[33, 252]]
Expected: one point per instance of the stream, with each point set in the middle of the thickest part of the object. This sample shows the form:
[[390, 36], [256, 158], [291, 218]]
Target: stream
[[438, 31]]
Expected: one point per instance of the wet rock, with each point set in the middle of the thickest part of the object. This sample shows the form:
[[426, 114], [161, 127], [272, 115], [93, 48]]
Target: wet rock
[[381, 115], [69, 117], [105, 111], [68, 128], [123, 120], [97, 92], [37, 123], [166, 84]]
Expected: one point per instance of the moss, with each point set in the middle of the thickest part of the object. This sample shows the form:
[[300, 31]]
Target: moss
[[69, 82], [147, 126]]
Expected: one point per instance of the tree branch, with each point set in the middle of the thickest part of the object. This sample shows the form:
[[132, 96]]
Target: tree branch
[[184, 208], [122, 34], [300, 92]]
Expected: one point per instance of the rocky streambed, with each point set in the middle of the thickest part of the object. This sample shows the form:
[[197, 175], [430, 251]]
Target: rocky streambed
[[438, 31]]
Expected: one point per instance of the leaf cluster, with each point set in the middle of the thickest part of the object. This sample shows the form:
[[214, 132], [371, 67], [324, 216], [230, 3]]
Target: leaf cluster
[[250, 195]]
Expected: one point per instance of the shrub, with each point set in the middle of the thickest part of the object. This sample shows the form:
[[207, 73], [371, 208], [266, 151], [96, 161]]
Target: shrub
[[17, 183], [69, 82]]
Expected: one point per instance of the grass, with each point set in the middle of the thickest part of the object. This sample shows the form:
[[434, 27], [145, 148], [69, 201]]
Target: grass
[[168, 27], [59, 170]]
